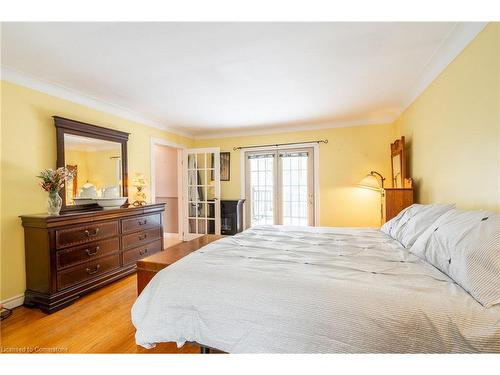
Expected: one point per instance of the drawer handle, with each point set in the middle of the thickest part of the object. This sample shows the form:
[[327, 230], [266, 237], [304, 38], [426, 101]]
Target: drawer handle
[[143, 236], [92, 253], [142, 252], [143, 222], [94, 271], [91, 234]]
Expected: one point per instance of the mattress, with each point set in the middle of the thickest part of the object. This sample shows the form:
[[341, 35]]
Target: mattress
[[280, 289]]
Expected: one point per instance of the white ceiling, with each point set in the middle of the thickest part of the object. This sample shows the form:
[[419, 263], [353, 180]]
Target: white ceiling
[[208, 79]]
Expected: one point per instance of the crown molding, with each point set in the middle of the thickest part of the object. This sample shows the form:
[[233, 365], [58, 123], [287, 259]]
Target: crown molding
[[22, 79], [456, 41], [291, 129]]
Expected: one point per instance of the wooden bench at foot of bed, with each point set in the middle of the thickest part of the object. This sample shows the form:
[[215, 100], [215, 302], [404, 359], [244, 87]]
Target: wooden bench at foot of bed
[[148, 267]]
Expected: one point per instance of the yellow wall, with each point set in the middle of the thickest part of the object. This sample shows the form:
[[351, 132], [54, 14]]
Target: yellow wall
[[78, 158], [453, 129], [350, 154], [29, 145], [102, 168]]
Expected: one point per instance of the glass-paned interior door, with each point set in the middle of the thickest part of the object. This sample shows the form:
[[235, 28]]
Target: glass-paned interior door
[[201, 169], [280, 187]]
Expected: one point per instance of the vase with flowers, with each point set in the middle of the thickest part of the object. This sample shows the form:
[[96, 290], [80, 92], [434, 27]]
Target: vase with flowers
[[52, 182]]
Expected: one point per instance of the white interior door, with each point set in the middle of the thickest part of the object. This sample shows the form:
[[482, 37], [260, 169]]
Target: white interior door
[[201, 196]]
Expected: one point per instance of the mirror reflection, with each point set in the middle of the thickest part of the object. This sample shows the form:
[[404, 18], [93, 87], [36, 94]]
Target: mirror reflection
[[97, 169], [397, 181]]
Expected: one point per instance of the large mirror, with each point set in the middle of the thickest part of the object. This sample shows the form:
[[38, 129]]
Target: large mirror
[[398, 163], [97, 158]]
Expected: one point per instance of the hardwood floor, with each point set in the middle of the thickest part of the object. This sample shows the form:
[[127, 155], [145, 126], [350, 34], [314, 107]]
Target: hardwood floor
[[97, 323]]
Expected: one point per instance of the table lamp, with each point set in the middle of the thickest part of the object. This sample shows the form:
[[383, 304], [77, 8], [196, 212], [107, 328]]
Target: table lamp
[[139, 181], [370, 181]]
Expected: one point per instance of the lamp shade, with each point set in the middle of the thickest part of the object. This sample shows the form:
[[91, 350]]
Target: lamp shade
[[139, 180], [370, 182]]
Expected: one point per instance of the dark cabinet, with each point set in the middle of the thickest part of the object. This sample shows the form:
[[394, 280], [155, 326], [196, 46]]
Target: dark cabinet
[[231, 216]]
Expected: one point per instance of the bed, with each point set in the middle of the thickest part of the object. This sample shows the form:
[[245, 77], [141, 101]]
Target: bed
[[277, 289]]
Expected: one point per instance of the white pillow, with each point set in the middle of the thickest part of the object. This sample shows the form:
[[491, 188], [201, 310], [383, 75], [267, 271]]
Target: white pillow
[[466, 246], [410, 223], [415, 220], [388, 226]]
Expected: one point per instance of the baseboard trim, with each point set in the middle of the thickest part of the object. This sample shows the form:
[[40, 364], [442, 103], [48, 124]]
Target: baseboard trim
[[170, 235], [13, 302]]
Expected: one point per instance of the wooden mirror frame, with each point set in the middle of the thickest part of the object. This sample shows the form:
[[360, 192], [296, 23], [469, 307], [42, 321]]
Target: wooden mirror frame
[[398, 148], [67, 126]]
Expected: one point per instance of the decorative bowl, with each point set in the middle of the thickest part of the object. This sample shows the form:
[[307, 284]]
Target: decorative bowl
[[110, 203], [82, 200]]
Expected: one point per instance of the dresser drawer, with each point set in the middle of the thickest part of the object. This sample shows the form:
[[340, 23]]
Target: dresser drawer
[[139, 238], [86, 271], [82, 234], [141, 223], [133, 255], [83, 253]]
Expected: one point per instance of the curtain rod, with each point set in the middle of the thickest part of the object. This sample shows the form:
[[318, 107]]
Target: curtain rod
[[325, 141]]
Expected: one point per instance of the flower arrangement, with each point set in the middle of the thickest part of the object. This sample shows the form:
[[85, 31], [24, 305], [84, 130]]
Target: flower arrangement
[[53, 180]]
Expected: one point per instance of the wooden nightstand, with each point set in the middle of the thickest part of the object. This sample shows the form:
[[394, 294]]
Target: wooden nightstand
[[148, 267], [394, 200]]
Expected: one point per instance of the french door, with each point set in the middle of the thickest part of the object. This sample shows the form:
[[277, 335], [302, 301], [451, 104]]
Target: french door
[[201, 200], [280, 187]]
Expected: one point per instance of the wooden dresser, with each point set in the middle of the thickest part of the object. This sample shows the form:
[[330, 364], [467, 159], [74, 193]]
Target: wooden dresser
[[394, 200], [75, 253]]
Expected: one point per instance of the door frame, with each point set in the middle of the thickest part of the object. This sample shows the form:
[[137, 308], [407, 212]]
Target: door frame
[[180, 196], [243, 173]]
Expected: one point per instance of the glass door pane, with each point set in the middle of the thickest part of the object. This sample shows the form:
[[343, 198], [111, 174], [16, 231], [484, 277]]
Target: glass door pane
[[261, 169]]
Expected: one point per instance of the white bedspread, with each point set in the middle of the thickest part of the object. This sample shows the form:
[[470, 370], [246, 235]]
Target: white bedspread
[[274, 289]]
